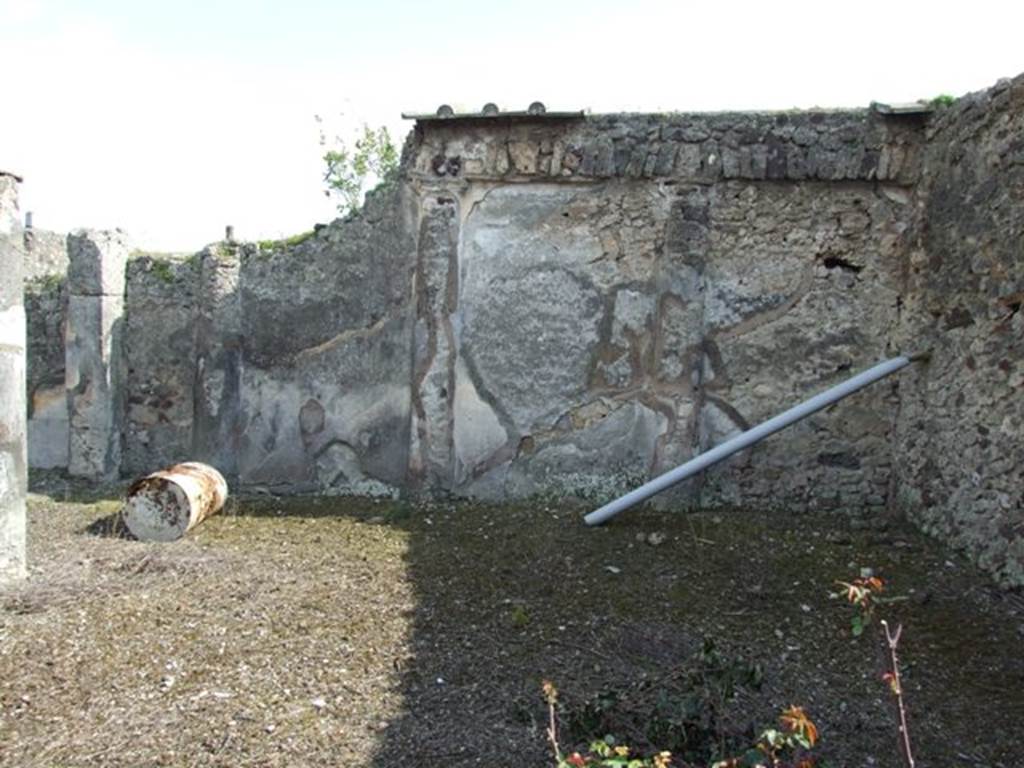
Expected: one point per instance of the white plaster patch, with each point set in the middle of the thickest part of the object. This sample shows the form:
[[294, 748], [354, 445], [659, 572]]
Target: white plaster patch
[[12, 327], [213, 390], [633, 312], [478, 432]]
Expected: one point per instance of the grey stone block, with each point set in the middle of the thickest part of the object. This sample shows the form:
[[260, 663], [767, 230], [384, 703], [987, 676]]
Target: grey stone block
[[93, 379], [96, 262], [46, 253], [13, 448]]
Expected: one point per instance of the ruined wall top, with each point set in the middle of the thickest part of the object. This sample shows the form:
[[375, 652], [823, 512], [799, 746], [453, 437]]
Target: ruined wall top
[[10, 242], [46, 253], [13, 467], [974, 112], [698, 148]]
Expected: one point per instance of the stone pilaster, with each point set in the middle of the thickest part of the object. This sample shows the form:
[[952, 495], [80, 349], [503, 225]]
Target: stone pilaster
[[96, 280], [218, 328], [435, 343], [13, 447]]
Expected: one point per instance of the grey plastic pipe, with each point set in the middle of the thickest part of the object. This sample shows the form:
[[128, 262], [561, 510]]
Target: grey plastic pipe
[[748, 438]]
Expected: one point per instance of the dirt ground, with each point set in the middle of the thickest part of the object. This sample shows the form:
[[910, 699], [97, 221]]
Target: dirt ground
[[346, 632]]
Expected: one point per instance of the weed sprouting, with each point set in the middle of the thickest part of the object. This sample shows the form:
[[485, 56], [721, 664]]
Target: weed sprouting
[[687, 717]]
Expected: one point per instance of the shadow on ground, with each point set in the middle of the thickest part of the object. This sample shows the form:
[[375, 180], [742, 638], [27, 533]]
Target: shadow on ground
[[507, 597]]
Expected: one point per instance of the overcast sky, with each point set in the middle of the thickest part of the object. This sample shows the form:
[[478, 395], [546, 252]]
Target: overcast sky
[[172, 119]]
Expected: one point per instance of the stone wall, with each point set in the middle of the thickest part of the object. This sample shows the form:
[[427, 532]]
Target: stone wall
[[159, 361], [285, 364], [46, 306], [13, 451], [960, 449], [46, 253], [326, 329], [793, 146], [543, 304], [573, 304], [609, 296], [93, 360]]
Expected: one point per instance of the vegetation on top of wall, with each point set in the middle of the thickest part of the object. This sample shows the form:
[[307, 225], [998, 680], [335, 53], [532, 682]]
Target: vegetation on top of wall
[[942, 100], [45, 283], [371, 162], [162, 265], [138, 253], [162, 269], [227, 248], [287, 242]]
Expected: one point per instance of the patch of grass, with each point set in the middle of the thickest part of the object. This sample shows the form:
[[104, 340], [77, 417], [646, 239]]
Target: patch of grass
[[519, 617], [942, 100], [45, 283], [162, 270], [288, 242], [227, 249]]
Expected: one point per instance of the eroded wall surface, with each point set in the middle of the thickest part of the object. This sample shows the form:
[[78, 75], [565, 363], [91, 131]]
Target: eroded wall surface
[[95, 331], [286, 365], [545, 305], [161, 303], [604, 298], [571, 305], [326, 331], [46, 253], [46, 306], [13, 449], [960, 446]]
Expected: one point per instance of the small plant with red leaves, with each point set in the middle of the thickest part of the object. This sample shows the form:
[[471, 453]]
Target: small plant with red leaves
[[862, 593], [605, 753], [788, 747]]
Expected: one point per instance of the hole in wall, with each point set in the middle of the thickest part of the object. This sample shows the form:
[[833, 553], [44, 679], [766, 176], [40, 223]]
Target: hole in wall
[[838, 262]]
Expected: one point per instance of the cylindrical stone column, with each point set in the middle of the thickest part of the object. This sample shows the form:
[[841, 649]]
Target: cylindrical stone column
[[96, 279], [13, 447], [165, 505]]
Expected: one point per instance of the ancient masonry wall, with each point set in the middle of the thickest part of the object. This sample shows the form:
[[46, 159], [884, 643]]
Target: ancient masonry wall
[[960, 435], [46, 254], [93, 352], [547, 305], [571, 305], [601, 299], [46, 306], [13, 449], [288, 365]]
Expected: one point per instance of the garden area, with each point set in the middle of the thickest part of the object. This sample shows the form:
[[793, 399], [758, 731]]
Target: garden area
[[321, 631]]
